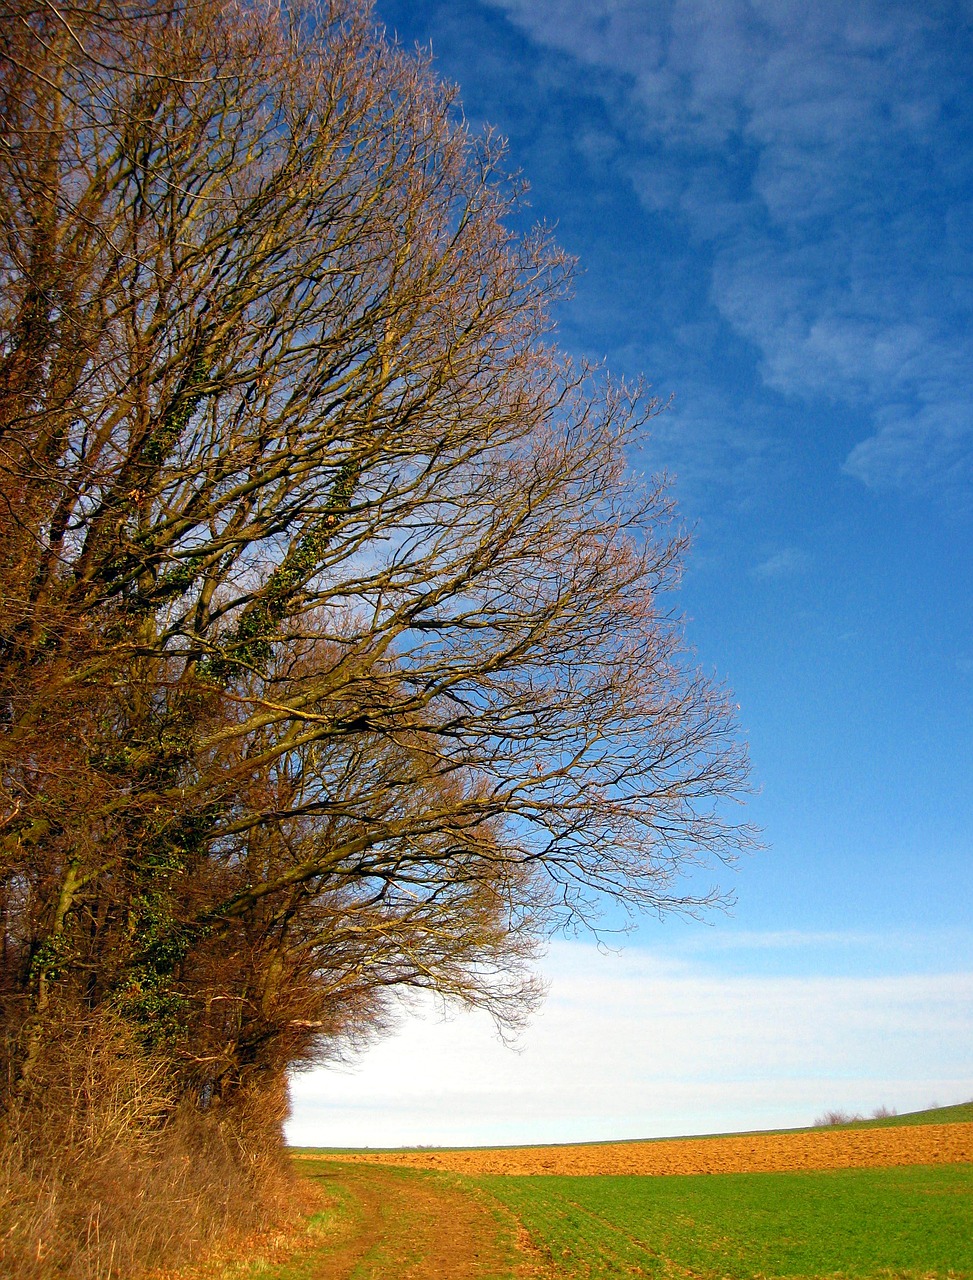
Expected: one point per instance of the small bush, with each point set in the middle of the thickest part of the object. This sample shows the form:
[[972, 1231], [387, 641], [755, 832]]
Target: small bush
[[837, 1117]]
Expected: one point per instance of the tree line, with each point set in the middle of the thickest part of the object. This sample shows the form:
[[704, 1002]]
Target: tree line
[[337, 651]]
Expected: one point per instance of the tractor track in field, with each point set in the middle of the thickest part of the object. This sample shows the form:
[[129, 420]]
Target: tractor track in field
[[418, 1228]]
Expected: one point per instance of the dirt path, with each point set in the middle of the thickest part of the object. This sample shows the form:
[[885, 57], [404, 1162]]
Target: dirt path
[[744, 1153], [397, 1224]]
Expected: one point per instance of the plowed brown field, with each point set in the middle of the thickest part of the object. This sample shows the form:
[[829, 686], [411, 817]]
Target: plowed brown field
[[753, 1153]]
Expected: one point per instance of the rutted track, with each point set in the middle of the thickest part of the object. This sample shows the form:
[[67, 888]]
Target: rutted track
[[397, 1225], [743, 1153]]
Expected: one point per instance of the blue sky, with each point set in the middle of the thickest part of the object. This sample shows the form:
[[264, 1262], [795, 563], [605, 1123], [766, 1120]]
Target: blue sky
[[771, 207]]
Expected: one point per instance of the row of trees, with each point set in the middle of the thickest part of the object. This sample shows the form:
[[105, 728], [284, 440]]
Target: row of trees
[[336, 654]]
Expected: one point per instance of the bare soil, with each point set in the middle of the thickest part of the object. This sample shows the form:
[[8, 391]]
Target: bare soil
[[745, 1153], [416, 1228]]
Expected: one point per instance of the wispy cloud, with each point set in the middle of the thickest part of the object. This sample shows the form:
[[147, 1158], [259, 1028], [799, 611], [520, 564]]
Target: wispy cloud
[[821, 153], [918, 451], [786, 563]]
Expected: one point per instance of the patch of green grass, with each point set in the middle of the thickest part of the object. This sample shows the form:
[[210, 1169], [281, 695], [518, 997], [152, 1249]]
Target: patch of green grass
[[901, 1222]]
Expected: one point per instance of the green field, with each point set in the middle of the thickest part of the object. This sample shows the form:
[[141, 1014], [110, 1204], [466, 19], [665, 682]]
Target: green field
[[902, 1222]]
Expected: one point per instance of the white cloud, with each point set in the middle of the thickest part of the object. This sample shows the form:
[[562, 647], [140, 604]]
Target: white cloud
[[641, 1044]]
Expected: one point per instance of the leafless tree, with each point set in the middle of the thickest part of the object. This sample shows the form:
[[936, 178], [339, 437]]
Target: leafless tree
[[337, 650]]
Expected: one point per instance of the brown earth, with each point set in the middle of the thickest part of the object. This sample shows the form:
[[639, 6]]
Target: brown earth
[[749, 1153], [395, 1224]]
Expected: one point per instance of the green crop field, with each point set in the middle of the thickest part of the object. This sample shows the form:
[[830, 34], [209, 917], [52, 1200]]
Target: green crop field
[[901, 1222]]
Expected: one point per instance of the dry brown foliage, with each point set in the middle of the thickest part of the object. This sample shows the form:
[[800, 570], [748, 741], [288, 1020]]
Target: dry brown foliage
[[104, 1173]]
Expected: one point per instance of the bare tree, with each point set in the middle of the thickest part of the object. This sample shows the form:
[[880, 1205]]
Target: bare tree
[[337, 651]]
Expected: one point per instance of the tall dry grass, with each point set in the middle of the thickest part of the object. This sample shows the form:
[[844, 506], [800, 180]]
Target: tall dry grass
[[103, 1177]]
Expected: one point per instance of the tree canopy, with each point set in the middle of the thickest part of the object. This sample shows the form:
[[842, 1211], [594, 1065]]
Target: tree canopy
[[338, 653]]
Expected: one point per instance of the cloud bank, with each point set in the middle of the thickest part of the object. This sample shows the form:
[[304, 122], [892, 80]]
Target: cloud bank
[[642, 1045]]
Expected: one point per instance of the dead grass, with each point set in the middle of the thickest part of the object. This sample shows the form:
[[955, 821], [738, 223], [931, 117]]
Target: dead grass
[[102, 1177]]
